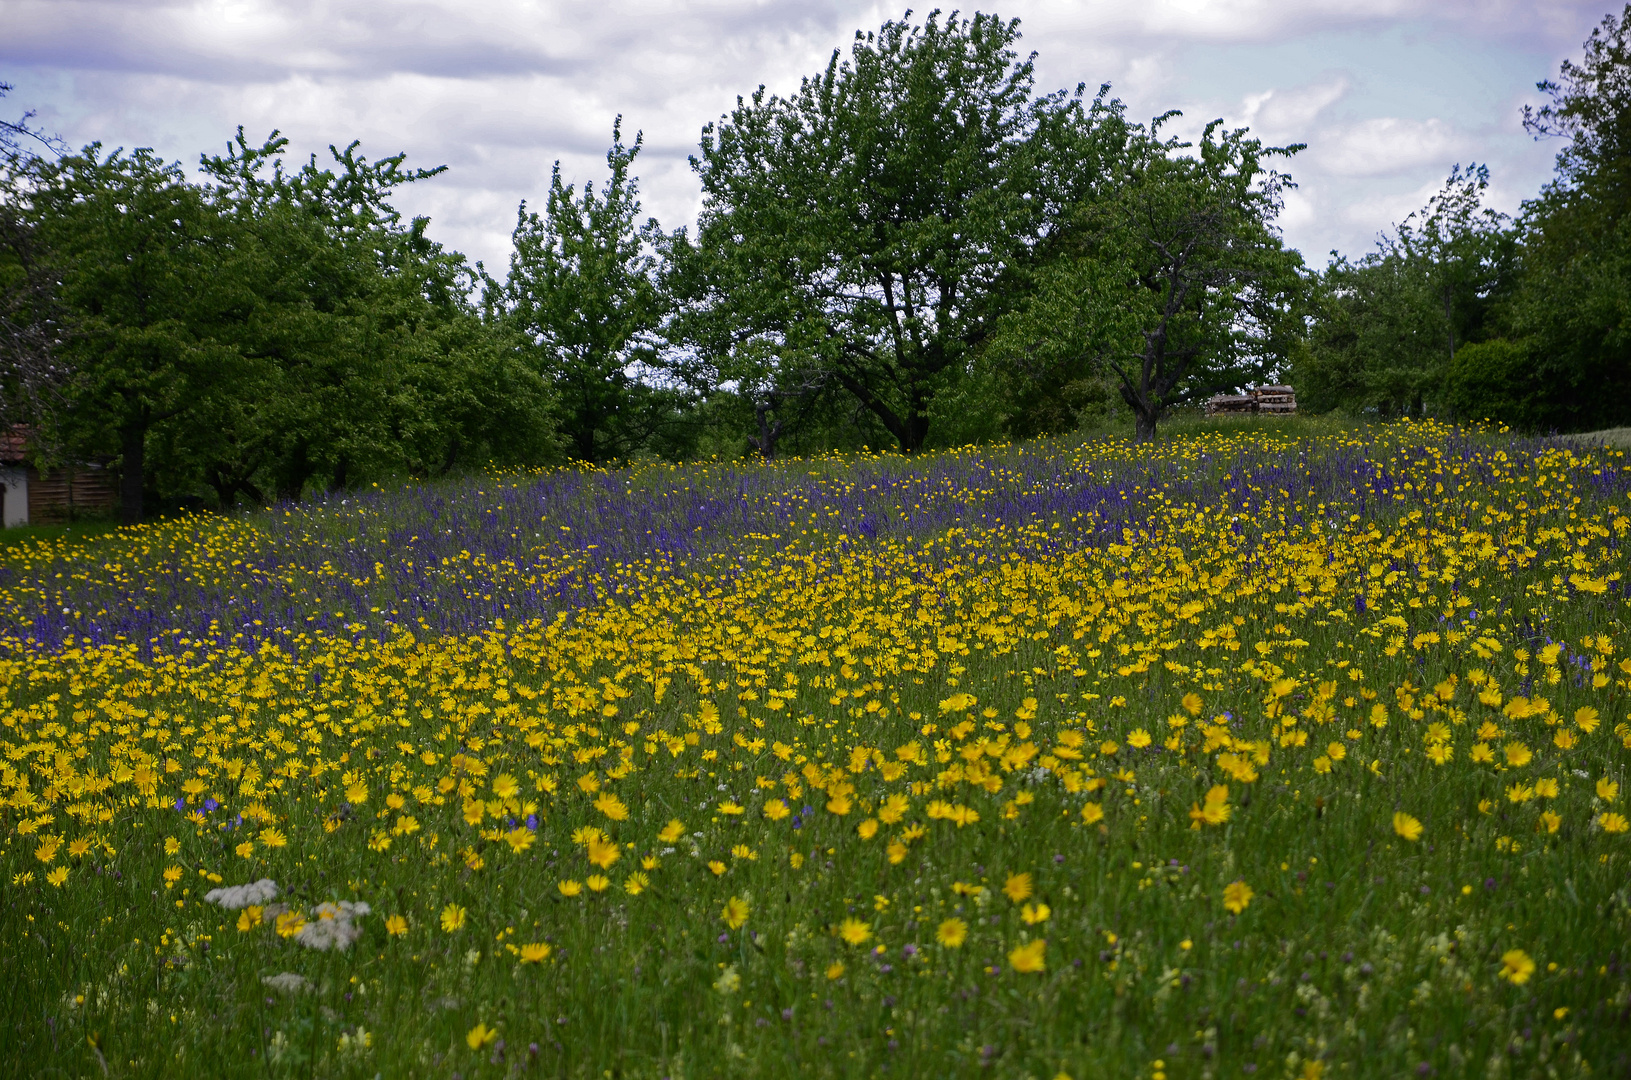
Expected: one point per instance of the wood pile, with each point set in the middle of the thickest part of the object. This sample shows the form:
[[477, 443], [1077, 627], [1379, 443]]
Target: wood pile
[[1270, 400]]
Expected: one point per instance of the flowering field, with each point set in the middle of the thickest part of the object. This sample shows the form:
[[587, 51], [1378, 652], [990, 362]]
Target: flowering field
[[1276, 752]]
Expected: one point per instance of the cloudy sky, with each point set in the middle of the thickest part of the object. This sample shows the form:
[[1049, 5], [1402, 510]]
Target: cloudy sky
[[1388, 94]]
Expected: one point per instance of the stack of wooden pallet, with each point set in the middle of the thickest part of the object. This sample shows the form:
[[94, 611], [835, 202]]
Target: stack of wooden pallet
[[1274, 400]]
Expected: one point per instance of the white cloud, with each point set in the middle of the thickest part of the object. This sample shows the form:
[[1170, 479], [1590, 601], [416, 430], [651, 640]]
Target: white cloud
[[499, 89]]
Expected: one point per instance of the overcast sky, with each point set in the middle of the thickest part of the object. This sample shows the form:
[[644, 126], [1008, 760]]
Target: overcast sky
[[1388, 94]]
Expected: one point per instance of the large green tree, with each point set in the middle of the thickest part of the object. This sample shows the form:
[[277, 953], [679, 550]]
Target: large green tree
[[1173, 279], [863, 235], [1387, 327], [146, 268], [582, 303], [1572, 314]]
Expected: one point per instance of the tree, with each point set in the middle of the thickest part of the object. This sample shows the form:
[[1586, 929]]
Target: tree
[[32, 322], [1572, 311], [143, 267], [1388, 327], [869, 227], [582, 299], [1176, 281]]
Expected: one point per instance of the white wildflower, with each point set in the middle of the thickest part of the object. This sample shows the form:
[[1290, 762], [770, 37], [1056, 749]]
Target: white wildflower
[[287, 982], [233, 897], [331, 926]]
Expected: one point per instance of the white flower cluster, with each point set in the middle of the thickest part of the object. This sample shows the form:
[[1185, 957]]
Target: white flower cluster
[[233, 897], [331, 925]]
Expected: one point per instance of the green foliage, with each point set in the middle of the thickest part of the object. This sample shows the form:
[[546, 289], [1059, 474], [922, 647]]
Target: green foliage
[[1388, 326], [266, 331], [582, 302], [1496, 380], [1175, 282], [860, 235]]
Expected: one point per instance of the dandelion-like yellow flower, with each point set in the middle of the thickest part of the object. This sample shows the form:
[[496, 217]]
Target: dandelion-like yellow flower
[[1092, 813], [570, 888], [396, 925], [597, 882], [1407, 826], [57, 876], [481, 1035], [735, 913], [1029, 958], [1017, 887], [672, 831], [1237, 895], [952, 933], [854, 931], [1516, 967], [535, 952], [453, 917]]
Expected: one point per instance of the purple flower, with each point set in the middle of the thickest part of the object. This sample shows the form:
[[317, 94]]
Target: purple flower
[[210, 806]]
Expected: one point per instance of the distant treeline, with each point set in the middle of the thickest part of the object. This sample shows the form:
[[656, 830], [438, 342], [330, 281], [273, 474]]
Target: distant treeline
[[912, 249]]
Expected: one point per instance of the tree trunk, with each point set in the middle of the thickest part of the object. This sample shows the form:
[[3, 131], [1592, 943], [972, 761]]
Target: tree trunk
[[133, 447], [1144, 425]]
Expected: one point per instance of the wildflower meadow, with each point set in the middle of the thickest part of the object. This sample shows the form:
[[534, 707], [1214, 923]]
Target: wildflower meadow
[[1296, 751]]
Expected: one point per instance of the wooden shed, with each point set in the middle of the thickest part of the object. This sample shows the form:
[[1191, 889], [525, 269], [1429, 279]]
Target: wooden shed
[[30, 497]]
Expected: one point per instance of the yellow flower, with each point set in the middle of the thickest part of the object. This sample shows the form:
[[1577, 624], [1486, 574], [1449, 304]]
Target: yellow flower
[[1029, 958], [47, 851], [249, 918], [570, 888], [611, 806], [245, 849], [1585, 718], [735, 913], [453, 918], [357, 793], [1407, 826], [776, 809], [396, 925], [1017, 887], [481, 1035], [1607, 790], [867, 829], [636, 883], [1138, 738], [1035, 913], [1551, 821], [79, 847], [289, 924], [57, 876], [717, 867], [535, 952], [520, 838], [597, 882], [273, 838], [1613, 823], [1516, 967], [603, 853], [172, 874], [672, 831], [171, 845], [1236, 895], [1092, 813], [952, 933], [854, 931], [1192, 704], [835, 970], [1517, 754], [505, 786]]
